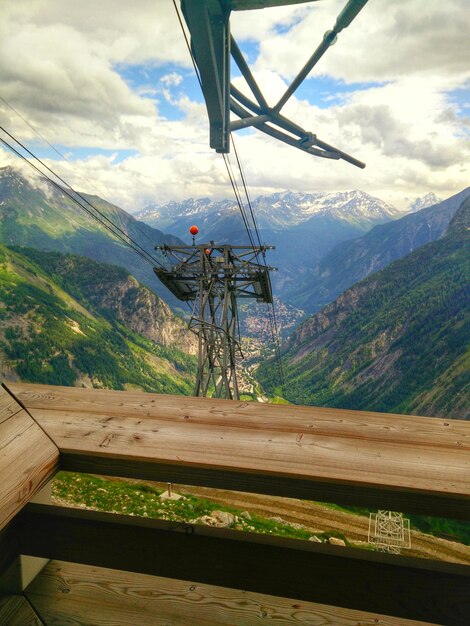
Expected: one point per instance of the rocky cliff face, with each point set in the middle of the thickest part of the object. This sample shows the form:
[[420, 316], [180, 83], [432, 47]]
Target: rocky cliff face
[[117, 295], [142, 311]]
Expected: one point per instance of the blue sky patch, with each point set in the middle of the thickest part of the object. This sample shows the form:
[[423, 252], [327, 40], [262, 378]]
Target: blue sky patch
[[460, 97], [153, 82], [324, 92], [283, 29], [77, 154], [150, 82]]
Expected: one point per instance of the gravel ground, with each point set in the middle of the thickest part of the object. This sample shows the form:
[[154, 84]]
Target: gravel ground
[[317, 518]]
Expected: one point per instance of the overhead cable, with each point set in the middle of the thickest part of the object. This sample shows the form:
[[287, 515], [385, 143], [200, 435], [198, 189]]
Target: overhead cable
[[139, 224], [91, 210]]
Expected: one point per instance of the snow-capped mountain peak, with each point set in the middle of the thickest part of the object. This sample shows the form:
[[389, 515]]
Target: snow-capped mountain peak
[[429, 199]]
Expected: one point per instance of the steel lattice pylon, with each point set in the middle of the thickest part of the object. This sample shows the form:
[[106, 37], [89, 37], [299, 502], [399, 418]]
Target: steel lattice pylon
[[213, 278], [390, 531]]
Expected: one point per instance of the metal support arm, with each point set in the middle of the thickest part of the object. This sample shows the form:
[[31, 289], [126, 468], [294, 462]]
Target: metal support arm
[[212, 45]]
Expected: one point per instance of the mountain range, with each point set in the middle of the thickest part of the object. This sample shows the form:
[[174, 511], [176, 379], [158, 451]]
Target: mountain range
[[395, 341], [302, 227], [353, 260], [398, 341], [275, 211], [309, 231]]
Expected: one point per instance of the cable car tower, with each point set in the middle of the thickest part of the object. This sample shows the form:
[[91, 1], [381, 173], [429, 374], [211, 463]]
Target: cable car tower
[[213, 277]]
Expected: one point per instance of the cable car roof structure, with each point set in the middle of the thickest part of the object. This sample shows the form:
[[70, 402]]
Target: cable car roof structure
[[212, 47]]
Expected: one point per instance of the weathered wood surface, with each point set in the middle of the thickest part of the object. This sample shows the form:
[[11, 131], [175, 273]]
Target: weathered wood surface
[[28, 458], [404, 587], [67, 593], [413, 464], [16, 611]]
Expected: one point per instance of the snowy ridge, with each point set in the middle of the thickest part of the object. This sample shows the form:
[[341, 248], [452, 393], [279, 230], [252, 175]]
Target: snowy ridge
[[279, 210], [429, 199]]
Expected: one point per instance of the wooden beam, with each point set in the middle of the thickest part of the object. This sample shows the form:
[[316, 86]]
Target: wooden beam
[[28, 458], [16, 611], [398, 462], [399, 586], [72, 593]]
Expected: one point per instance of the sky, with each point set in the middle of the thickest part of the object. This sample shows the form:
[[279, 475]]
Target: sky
[[110, 84]]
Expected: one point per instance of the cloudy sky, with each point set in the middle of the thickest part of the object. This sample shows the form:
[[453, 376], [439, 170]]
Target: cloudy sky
[[111, 85]]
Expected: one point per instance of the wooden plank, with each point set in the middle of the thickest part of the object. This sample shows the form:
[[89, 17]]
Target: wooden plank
[[327, 421], [16, 611], [8, 405], [80, 594], [411, 464], [355, 579], [28, 458]]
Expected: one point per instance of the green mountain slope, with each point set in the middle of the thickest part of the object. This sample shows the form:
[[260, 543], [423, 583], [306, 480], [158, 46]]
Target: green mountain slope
[[58, 326], [398, 341], [34, 213]]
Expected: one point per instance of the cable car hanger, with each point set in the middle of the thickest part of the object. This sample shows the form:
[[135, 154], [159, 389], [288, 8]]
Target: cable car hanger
[[212, 45]]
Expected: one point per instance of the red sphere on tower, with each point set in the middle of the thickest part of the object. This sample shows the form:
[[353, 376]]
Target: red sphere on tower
[[207, 251], [194, 230]]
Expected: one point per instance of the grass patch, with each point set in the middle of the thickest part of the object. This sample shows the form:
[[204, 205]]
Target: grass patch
[[116, 496]]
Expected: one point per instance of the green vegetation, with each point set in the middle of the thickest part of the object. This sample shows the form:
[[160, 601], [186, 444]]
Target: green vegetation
[[142, 499], [278, 400], [454, 530], [48, 337], [451, 529], [398, 341]]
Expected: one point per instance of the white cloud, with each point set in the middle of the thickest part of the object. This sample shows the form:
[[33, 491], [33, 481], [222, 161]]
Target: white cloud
[[172, 80], [58, 67], [387, 40]]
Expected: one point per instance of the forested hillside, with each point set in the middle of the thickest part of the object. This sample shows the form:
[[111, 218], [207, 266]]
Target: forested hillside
[[36, 214], [60, 324], [398, 341]]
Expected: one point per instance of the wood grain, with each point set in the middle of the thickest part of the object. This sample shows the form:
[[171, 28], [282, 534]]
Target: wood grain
[[16, 611], [413, 464], [404, 587], [28, 458], [67, 593], [8, 405]]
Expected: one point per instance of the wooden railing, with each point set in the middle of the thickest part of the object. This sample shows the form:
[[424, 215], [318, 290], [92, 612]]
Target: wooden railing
[[412, 464]]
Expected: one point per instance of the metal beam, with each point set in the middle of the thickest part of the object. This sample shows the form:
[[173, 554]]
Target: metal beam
[[208, 22], [306, 140], [343, 20], [247, 75]]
